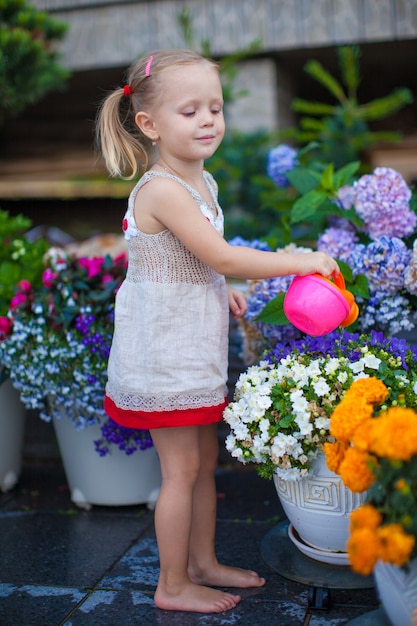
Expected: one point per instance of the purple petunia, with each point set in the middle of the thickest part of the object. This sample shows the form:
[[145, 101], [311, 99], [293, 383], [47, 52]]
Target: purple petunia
[[381, 199], [281, 159]]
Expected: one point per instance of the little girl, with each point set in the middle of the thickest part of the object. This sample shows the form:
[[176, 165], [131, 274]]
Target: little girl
[[167, 368]]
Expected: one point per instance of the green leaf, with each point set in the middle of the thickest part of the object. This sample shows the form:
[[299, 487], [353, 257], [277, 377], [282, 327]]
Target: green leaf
[[327, 178], [307, 205], [312, 108], [303, 180], [381, 107], [273, 312], [360, 287], [345, 174], [285, 421], [317, 71], [349, 64], [346, 271]]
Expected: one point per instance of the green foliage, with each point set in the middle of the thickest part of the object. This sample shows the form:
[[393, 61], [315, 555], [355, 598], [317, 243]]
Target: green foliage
[[341, 129], [238, 166], [19, 258], [29, 66]]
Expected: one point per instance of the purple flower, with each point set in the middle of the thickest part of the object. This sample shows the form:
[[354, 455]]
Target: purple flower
[[390, 313], [337, 242], [345, 197], [281, 159], [127, 439], [343, 343], [384, 262], [257, 244], [382, 200]]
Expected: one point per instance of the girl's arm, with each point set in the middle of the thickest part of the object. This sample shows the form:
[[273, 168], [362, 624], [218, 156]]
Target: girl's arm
[[163, 203]]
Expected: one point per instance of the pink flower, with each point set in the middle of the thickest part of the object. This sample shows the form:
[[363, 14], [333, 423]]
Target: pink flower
[[106, 278], [93, 265], [5, 327], [48, 277], [17, 300], [24, 286], [125, 224]]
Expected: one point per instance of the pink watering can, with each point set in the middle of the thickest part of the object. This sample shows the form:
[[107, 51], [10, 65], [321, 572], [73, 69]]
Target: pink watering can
[[316, 305]]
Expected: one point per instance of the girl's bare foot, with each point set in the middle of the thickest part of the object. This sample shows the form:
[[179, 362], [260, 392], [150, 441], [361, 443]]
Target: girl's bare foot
[[218, 575], [196, 598]]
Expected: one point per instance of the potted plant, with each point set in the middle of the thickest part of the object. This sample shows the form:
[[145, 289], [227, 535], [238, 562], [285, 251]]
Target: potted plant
[[56, 353], [375, 448], [20, 259], [280, 419]]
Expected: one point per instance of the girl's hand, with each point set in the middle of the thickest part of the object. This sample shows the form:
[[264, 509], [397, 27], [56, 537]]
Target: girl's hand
[[319, 262], [237, 302]]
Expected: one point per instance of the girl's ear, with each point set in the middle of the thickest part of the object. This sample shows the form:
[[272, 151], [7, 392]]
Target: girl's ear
[[146, 125]]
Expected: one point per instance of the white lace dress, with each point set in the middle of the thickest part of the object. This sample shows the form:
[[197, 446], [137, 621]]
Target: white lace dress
[[168, 360]]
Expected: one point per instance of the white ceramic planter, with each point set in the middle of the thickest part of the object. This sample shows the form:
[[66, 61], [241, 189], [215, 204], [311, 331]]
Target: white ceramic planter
[[318, 506], [115, 479], [397, 590], [12, 422]]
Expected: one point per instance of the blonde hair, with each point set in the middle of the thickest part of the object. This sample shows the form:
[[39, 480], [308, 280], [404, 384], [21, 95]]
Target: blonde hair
[[124, 148]]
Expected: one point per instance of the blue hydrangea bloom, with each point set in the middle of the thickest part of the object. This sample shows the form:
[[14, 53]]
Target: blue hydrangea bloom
[[281, 159]]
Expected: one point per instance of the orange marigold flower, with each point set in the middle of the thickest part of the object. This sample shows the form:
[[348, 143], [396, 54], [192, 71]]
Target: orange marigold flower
[[366, 516], [347, 416], [401, 484], [394, 434], [395, 544], [361, 438], [363, 550], [372, 389], [354, 470], [335, 453]]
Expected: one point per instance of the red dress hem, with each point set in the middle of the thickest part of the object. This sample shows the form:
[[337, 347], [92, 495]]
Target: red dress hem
[[164, 419]]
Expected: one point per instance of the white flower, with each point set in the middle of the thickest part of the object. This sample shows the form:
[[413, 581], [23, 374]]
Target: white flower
[[371, 361], [342, 377], [321, 387], [298, 400], [331, 366], [322, 422], [357, 366]]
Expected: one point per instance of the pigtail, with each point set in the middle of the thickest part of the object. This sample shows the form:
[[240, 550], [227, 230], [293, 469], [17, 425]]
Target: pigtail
[[124, 149]]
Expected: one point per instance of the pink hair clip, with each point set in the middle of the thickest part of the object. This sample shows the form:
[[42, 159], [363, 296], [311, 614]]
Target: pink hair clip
[[148, 66]]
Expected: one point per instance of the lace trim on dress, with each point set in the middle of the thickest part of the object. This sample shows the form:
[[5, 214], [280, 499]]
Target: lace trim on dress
[[134, 401]]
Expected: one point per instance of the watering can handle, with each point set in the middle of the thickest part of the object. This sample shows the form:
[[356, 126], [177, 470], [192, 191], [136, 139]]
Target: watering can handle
[[339, 280]]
